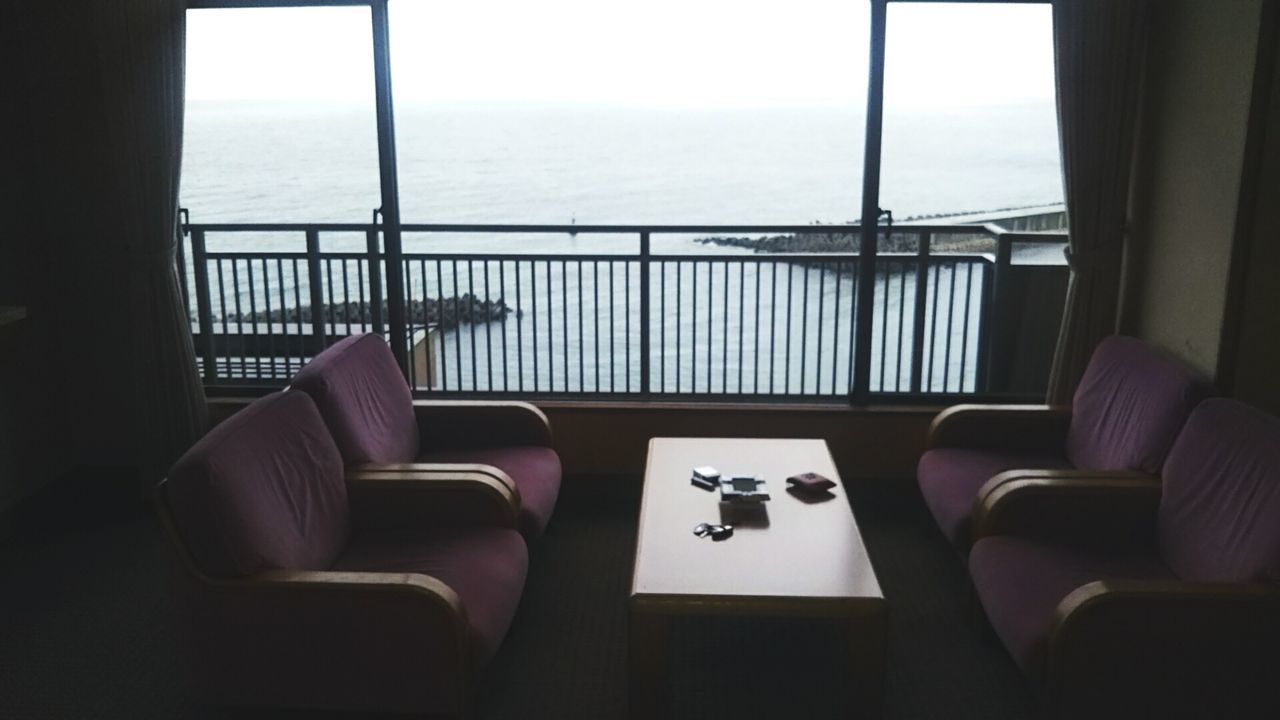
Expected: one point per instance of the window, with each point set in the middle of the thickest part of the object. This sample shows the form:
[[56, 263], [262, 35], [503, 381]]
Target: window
[[280, 122], [970, 124], [629, 112], [969, 136], [527, 161]]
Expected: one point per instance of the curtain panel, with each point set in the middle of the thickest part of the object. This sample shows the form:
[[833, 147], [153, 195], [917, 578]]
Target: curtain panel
[[140, 52], [1099, 46]]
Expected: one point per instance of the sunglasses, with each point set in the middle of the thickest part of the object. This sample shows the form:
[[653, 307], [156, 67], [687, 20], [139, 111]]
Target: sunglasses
[[716, 532]]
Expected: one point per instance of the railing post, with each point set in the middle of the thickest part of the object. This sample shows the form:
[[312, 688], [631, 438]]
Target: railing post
[[918, 319], [204, 304], [180, 258], [644, 313], [375, 280], [995, 286], [315, 285], [397, 320]]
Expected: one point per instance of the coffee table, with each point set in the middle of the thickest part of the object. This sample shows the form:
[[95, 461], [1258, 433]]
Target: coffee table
[[806, 560]]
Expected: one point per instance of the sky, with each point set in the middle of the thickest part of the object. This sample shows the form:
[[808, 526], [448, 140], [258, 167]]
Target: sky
[[696, 53]]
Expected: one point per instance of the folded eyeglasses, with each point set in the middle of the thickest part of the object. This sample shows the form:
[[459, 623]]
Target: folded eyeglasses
[[716, 532]]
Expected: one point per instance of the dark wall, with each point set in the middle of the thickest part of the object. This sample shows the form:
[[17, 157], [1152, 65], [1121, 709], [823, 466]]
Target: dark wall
[[1191, 148], [61, 370], [1250, 357], [28, 423]]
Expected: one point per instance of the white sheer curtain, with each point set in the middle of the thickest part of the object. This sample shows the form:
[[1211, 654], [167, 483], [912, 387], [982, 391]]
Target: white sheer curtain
[[1099, 47]]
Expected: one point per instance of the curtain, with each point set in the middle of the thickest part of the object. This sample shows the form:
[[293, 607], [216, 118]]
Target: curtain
[[140, 49], [1098, 51]]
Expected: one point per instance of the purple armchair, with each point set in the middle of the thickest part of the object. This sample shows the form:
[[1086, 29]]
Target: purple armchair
[[1127, 411], [377, 424], [1184, 622], [308, 586]]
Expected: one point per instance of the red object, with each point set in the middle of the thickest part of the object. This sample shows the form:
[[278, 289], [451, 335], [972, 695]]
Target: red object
[[811, 482]]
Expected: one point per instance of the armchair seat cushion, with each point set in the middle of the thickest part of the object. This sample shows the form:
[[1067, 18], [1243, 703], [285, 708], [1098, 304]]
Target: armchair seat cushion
[[1020, 583], [485, 566], [950, 478], [535, 470]]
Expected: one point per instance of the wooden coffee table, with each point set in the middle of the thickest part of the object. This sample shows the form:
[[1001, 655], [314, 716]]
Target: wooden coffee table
[[807, 561]]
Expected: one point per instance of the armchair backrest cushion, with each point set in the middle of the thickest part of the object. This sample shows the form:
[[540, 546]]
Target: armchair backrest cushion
[[1220, 509], [1130, 406], [264, 490], [364, 400]]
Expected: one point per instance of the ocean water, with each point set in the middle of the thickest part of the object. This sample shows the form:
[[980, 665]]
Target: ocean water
[[577, 328], [274, 162]]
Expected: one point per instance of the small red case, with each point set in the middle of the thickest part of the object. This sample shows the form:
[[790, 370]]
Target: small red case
[[810, 482]]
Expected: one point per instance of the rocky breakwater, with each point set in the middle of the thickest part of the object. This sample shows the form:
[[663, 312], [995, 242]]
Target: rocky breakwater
[[446, 313]]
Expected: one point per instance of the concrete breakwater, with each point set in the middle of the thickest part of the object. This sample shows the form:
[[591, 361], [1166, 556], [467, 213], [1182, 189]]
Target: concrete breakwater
[[903, 238], [898, 241]]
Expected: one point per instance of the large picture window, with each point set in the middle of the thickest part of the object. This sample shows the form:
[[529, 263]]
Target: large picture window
[[814, 200]]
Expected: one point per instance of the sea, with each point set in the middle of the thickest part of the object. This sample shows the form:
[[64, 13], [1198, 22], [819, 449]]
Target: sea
[[495, 163]]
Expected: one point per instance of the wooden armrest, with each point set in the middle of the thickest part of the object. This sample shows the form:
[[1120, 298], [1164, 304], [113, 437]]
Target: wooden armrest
[[1055, 501], [460, 424], [429, 587], [285, 617], [1002, 427], [336, 629], [426, 586], [1165, 648], [413, 495], [1166, 590], [434, 470]]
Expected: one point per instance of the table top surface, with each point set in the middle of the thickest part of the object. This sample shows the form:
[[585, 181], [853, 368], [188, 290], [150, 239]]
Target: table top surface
[[796, 550]]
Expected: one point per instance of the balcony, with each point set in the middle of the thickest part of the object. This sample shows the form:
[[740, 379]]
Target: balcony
[[757, 313]]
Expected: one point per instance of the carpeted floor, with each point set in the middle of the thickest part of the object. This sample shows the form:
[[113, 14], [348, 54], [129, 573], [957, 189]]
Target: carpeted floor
[[86, 623]]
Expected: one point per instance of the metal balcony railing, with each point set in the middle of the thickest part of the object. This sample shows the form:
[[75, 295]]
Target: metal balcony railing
[[724, 323]]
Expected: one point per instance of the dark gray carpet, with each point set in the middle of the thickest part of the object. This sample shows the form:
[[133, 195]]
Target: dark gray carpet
[[86, 623]]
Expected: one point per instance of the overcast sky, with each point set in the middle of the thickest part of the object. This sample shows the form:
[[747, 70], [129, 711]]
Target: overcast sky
[[658, 52]]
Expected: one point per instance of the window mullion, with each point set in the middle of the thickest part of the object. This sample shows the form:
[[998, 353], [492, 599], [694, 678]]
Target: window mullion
[[390, 210], [870, 206]]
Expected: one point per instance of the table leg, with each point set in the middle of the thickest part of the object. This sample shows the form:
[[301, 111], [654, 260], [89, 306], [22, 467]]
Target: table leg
[[647, 651], [868, 642]]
